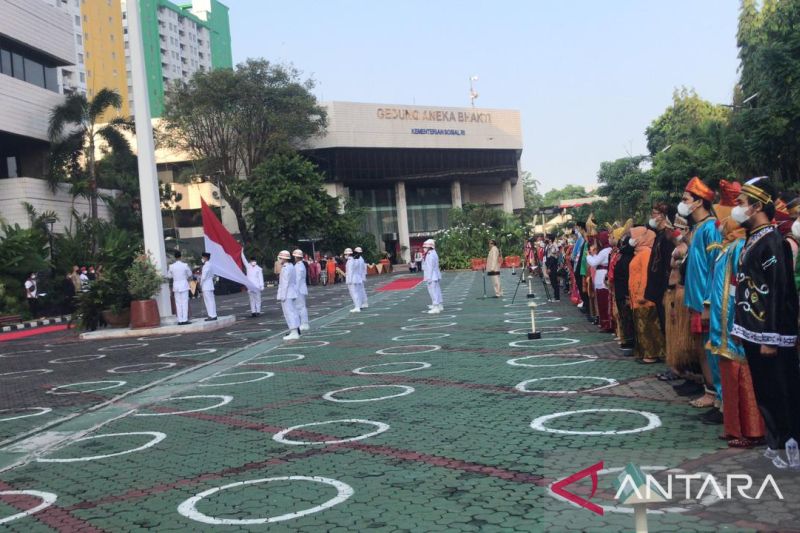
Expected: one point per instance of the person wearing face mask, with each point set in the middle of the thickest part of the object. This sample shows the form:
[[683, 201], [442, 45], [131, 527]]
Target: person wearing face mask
[[627, 339], [207, 286], [766, 320], [649, 347], [432, 276], [362, 271], [658, 267], [32, 295], [579, 252], [679, 347], [255, 274], [180, 273], [615, 235], [287, 294], [301, 284], [696, 207], [599, 259], [794, 210], [353, 279]]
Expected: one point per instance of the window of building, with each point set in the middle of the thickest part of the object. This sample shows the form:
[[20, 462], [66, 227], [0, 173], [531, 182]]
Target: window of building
[[113, 55], [85, 18], [78, 39], [11, 170], [18, 64], [51, 79], [77, 20], [112, 37], [85, 36], [83, 78], [80, 59], [5, 62]]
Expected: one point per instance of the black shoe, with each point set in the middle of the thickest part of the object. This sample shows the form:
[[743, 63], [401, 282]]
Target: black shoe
[[626, 346], [253, 315], [211, 319], [182, 323], [627, 352], [712, 417], [690, 388]]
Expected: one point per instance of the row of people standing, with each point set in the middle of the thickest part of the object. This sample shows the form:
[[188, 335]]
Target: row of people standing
[[713, 291]]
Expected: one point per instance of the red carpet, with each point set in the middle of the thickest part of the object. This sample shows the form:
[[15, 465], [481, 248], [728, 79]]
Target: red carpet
[[14, 335], [402, 284]]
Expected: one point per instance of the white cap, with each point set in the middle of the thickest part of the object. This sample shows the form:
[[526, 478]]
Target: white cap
[[430, 243], [284, 254], [358, 249], [298, 253], [348, 251]]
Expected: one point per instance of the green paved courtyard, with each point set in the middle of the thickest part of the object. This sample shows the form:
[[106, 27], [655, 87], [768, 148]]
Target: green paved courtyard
[[388, 420]]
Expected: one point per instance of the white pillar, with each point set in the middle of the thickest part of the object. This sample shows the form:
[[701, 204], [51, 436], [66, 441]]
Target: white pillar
[[402, 221], [148, 176], [508, 203], [455, 194]]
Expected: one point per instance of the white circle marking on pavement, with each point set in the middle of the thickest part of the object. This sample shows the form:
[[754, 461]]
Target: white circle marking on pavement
[[431, 317], [425, 326], [22, 374], [287, 358], [550, 342], [224, 400], [423, 366], [543, 329], [48, 499], [336, 325], [303, 344], [146, 367], [405, 390], [157, 437], [189, 507], [120, 347], [523, 386], [421, 336], [159, 337], [539, 423], [188, 353], [281, 435], [22, 352], [586, 359], [263, 375], [115, 384], [409, 349], [41, 411], [77, 358], [325, 334]]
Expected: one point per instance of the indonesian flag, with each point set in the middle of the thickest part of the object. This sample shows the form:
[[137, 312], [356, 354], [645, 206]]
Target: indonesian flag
[[226, 254]]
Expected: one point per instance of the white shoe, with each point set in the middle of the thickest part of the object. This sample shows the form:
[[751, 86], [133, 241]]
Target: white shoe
[[304, 327], [431, 306], [441, 308], [355, 310], [777, 460], [434, 311], [293, 336], [365, 306]]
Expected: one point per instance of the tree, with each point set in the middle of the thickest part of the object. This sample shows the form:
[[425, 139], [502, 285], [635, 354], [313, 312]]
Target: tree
[[232, 121], [75, 134], [626, 187], [554, 196], [533, 198]]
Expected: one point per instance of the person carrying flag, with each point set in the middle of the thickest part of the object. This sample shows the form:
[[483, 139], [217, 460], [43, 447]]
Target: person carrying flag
[[287, 294], [300, 273]]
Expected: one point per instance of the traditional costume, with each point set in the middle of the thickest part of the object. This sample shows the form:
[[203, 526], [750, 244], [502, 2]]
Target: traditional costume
[[658, 272], [680, 346], [599, 262], [649, 338]]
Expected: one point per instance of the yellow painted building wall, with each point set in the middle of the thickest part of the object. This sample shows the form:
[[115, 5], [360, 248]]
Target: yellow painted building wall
[[104, 46]]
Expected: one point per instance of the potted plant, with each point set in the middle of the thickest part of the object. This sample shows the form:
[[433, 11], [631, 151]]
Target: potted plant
[[144, 282]]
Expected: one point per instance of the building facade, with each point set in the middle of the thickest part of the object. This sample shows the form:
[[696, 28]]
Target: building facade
[[408, 166], [179, 40]]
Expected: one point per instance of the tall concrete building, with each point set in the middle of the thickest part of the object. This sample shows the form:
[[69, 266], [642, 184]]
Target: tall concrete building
[[179, 40]]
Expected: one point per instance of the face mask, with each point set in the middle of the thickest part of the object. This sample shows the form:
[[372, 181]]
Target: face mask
[[653, 223], [252, 263], [739, 214], [679, 238], [684, 210], [796, 228], [632, 242]]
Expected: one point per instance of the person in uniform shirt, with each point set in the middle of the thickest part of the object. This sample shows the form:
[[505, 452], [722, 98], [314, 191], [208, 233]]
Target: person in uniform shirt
[[180, 273], [287, 294], [362, 270], [32, 294], [766, 321], [493, 261], [256, 275], [84, 279], [352, 279], [207, 285], [432, 275], [300, 275]]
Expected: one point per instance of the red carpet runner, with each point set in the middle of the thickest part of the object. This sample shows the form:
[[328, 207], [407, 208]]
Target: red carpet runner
[[402, 284]]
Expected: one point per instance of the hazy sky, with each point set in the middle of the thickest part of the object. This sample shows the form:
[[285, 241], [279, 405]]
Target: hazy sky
[[587, 75]]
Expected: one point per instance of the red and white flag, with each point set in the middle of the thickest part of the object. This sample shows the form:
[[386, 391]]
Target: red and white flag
[[226, 254]]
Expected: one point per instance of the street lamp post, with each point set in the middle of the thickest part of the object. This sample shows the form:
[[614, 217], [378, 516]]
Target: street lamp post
[[472, 93], [148, 175]]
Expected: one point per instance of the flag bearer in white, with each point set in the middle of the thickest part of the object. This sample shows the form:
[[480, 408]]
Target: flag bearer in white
[[256, 275], [180, 274], [352, 278], [302, 289], [287, 294], [207, 286], [362, 270], [432, 274]]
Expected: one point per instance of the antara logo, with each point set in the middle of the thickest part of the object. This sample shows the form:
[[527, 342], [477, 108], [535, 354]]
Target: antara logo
[[634, 485]]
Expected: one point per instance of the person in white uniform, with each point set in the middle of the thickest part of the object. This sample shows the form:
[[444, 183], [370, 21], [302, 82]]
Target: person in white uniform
[[362, 271], [432, 275], [207, 285], [255, 274], [180, 273], [300, 271], [352, 278], [287, 294]]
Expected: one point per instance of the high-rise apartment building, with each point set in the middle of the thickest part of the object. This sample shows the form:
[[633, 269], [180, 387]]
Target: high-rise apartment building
[[179, 40]]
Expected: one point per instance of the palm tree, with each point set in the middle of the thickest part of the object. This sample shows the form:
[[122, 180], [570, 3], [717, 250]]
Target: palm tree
[[75, 133]]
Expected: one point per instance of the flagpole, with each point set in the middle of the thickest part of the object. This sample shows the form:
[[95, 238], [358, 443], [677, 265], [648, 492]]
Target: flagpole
[[148, 175]]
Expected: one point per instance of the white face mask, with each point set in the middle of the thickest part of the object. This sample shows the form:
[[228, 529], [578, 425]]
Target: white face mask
[[796, 228], [684, 210], [653, 223], [252, 263], [632, 242], [739, 214]]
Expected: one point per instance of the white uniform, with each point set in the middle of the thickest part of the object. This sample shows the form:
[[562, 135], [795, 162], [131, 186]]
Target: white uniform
[[256, 275], [432, 274], [353, 280], [302, 292], [362, 293], [207, 285], [287, 294], [180, 274]]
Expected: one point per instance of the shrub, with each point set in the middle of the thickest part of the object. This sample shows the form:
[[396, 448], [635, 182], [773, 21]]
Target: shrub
[[144, 280]]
